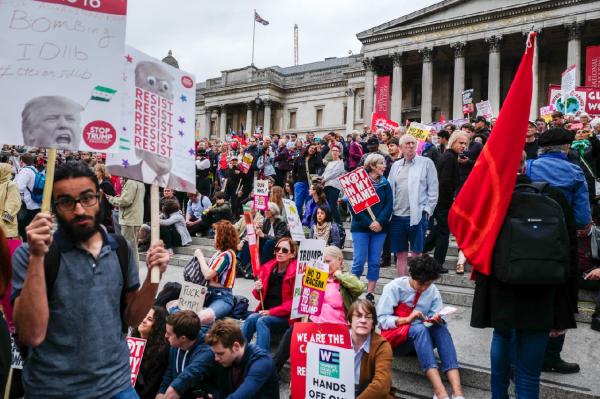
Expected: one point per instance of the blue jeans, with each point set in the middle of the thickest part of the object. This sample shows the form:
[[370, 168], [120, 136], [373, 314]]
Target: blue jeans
[[301, 196], [425, 339], [129, 393], [333, 194], [367, 247], [263, 326], [523, 349], [220, 300]]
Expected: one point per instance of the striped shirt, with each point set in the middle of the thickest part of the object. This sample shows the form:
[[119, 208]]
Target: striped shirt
[[224, 264]]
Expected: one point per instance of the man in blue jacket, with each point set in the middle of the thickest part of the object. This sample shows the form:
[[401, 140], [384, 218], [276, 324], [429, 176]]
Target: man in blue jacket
[[190, 361], [244, 370]]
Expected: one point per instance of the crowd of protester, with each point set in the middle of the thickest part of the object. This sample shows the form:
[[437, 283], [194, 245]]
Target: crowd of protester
[[192, 355]]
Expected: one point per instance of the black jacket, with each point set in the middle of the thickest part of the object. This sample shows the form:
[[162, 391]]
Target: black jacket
[[315, 166], [540, 307], [448, 178], [280, 229]]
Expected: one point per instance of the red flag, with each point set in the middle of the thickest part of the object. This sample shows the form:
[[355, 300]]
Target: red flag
[[442, 118], [479, 210], [252, 243]]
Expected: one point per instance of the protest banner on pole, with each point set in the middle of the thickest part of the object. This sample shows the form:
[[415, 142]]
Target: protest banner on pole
[[309, 253], [379, 121], [157, 131], [246, 162], [252, 243], [293, 220], [336, 335], [546, 113], [467, 101], [582, 99], [567, 82], [313, 289], [382, 96], [331, 374], [261, 195], [592, 66], [192, 296], [484, 108], [419, 131], [57, 58], [360, 191], [136, 352]]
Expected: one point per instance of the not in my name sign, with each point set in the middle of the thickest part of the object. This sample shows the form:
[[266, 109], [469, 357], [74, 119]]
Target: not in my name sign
[[359, 190]]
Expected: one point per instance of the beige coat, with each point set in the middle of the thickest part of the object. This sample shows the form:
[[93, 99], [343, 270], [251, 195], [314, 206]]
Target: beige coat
[[130, 203], [10, 202]]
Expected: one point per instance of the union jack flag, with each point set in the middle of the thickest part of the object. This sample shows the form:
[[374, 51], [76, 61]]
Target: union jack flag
[[258, 19]]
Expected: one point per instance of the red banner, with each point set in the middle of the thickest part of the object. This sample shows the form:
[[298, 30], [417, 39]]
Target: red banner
[[136, 352], [359, 190], [583, 99], [379, 121], [382, 96], [115, 7], [252, 243], [322, 333], [592, 66]]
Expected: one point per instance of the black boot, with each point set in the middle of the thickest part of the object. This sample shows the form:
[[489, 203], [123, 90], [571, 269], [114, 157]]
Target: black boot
[[552, 360], [596, 319]]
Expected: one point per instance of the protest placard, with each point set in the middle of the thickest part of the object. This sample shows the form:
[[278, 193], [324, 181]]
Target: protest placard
[[192, 296], [382, 96], [546, 113], [293, 220], [309, 253], [467, 101], [358, 188], [331, 374], [484, 108], [246, 163], [380, 121], [57, 60], [567, 82], [17, 360], [313, 289], [419, 131], [583, 99], [261, 195], [157, 131], [136, 352], [336, 335], [252, 243]]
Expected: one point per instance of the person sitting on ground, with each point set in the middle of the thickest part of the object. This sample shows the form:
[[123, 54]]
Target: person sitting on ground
[[144, 235], [244, 370], [418, 292], [372, 353], [324, 228], [156, 352], [272, 230], [317, 198], [277, 195], [274, 289], [190, 362], [197, 203], [172, 226], [220, 210], [220, 273]]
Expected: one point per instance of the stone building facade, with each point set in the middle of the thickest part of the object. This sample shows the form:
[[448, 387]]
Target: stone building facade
[[432, 55]]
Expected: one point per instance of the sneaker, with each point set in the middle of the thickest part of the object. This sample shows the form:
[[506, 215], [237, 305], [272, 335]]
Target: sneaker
[[443, 270], [370, 297], [561, 367]]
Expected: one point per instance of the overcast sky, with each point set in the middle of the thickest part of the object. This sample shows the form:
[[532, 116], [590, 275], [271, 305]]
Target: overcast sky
[[209, 36]]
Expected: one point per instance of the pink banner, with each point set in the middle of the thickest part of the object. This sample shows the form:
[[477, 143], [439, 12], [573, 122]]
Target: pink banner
[[382, 96], [592, 66]]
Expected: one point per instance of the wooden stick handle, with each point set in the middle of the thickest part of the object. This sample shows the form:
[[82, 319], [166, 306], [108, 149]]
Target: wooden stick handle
[[47, 195], [154, 228], [371, 214]]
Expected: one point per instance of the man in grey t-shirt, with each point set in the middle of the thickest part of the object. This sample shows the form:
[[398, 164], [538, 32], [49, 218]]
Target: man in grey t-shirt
[[76, 345]]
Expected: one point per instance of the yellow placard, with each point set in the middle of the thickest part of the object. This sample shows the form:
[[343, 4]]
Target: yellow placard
[[315, 278], [418, 131]]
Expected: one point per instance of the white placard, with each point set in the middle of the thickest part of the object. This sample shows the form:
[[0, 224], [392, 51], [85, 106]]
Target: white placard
[[329, 372], [309, 253], [293, 219], [17, 360], [157, 137], [484, 108], [192, 297], [261, 187], [60, 80], [567, 82]]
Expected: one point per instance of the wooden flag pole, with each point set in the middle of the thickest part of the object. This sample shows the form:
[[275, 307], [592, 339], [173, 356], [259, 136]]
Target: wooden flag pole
[[371, 214], [8, 383], [154, 228], [50, 165]]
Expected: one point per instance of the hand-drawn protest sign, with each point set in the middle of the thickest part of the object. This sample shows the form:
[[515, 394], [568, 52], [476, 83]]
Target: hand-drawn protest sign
[[192, 297], [546, 113], [331, 374], [359, 190], [567, 82], [293, 219], [484, 108], [313, 289], [17, 360], [337, 335], [58, 81], [419, 131], [261, 195], [136, 352], [157, 138], [467, 101], [309, 253]]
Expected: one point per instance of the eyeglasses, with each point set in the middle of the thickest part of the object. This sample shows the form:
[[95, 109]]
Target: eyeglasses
[[282, 249], [68, 204], [359, 316]]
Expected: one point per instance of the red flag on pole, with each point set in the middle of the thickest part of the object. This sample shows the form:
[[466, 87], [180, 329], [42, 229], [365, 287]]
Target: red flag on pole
[[478, 212]]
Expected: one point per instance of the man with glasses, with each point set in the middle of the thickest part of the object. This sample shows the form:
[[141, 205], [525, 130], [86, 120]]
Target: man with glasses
[[75, 292]]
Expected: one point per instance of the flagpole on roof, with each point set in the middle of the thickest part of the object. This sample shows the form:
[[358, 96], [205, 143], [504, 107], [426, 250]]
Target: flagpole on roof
[[253, 33]]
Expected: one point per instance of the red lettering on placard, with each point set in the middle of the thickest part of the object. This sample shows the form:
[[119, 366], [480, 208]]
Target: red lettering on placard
[[153, 123], [99, 135], [114, 7]]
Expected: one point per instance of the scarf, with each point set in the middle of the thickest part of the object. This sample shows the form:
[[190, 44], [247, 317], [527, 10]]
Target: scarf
[[322, 232], [580, 146]]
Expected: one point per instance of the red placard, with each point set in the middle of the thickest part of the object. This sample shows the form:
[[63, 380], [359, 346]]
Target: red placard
[[382, 96], [380, 121], [592, 66], [136, 352], [583, 99], [115, 7], [99, 135], [252, 243], [359, 190], [322, 333]]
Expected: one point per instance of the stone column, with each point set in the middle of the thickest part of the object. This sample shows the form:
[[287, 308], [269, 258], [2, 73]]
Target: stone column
[[369, 90], [350, 110], [574, 49], [534, 110], [459, 78], [494, 73], [426, 85], [267, 118], [249, 116], [223, 122], [396, 105]]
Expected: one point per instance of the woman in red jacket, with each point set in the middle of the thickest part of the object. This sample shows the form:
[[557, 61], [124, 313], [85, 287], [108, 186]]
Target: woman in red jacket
[[275, 284]]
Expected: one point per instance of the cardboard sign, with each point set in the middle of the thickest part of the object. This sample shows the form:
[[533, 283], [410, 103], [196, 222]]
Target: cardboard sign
[[467, 96], [246, 162], [252, 243], [17, 360], [484, 108], [58, 82], [546, 113], [309, 253], [567, 82], [331, 374], [358, 188], [192, 296], [136, 352], [293, 220], [379, 121], [157, 133], [313, 289], [382, 96], [582, 99], [261, 195], [419, 131], [336, 335], [592, 66]]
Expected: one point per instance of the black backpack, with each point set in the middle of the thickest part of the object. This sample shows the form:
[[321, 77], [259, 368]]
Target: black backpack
[[533, 244]]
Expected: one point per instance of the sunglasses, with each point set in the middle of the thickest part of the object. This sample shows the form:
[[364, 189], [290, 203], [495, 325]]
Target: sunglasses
[[282, 249]]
